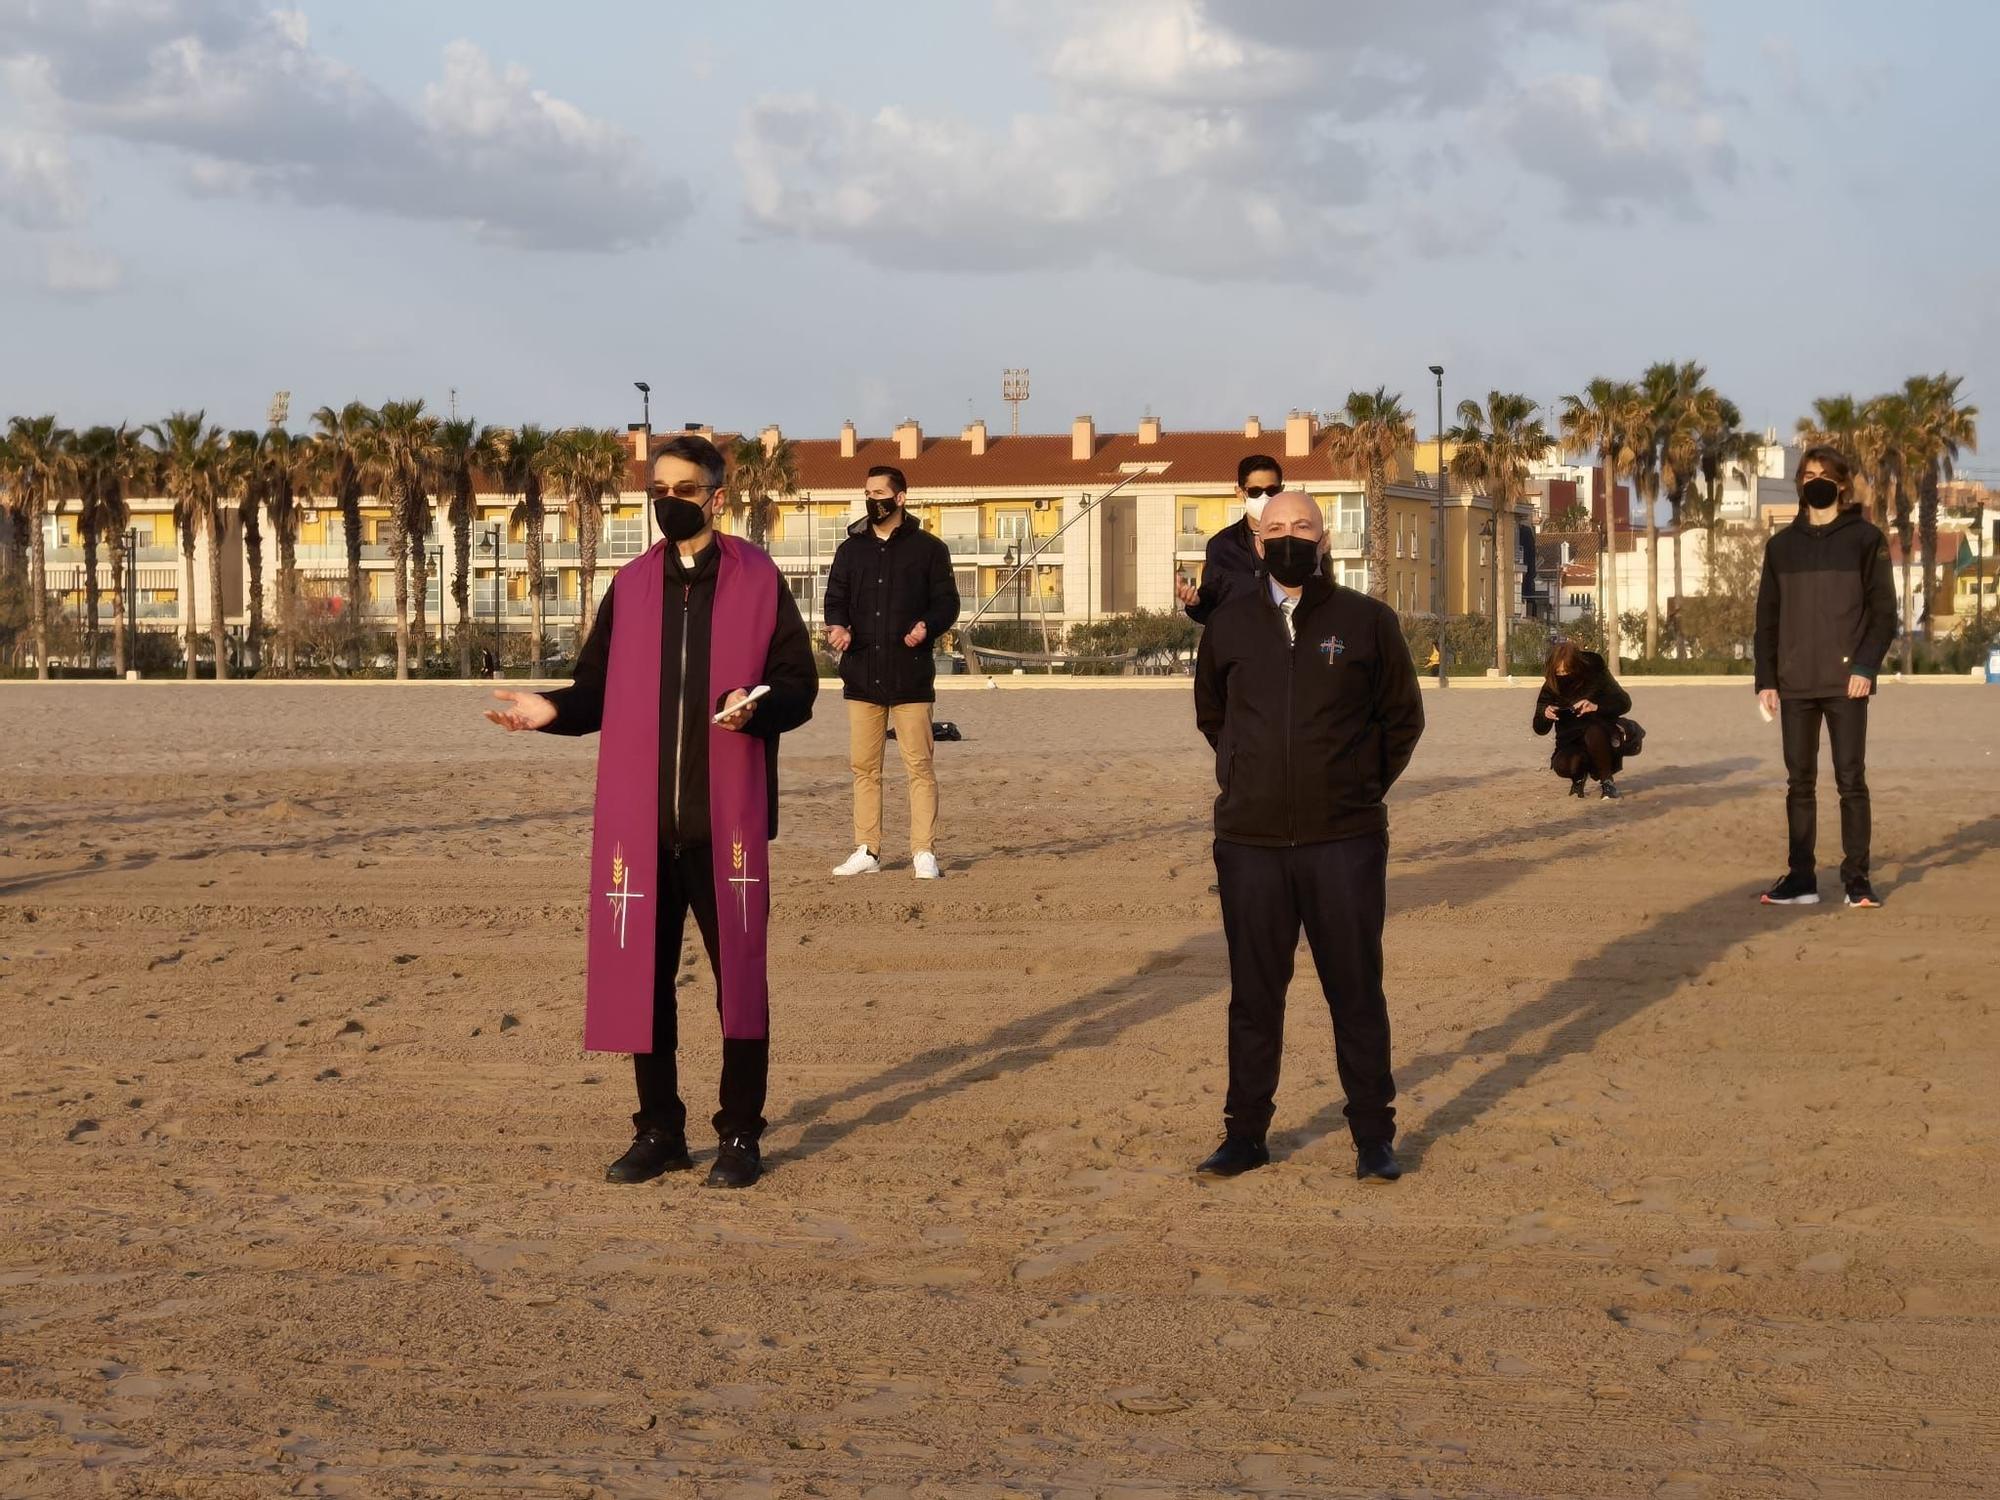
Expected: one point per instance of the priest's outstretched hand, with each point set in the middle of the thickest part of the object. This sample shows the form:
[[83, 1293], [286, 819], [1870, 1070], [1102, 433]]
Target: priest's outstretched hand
[[525, 711]]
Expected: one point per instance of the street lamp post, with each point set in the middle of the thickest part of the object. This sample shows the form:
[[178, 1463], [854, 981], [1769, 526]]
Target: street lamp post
[[493, 541], [645, 403], [1437, 541]]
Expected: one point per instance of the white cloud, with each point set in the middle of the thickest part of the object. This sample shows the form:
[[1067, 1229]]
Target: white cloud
[[81, 270], [1249, 139], [243, 95], [40, 187]]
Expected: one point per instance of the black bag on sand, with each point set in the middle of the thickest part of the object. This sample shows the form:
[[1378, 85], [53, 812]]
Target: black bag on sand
[[943, 729], [1628, 736]]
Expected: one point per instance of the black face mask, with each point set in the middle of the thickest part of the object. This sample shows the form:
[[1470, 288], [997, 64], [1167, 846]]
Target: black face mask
[[880, 512], [679, 519], [1820, 493], [1292, 559]]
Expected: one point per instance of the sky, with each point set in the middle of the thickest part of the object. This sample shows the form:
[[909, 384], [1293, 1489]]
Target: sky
[[800, 213]]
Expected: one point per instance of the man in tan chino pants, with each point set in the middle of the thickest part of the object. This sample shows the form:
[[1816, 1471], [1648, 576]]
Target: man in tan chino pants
[[889, 596]]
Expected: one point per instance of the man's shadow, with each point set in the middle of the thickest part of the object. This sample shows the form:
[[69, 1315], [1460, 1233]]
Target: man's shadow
[[1608, 988]]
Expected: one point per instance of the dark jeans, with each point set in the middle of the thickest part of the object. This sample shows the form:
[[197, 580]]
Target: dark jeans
[[1338, 893], [1592, 754], [688, 879], [1847, 726]]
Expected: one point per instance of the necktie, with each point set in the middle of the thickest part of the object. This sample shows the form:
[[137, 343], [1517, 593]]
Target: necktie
[[1285, 608]]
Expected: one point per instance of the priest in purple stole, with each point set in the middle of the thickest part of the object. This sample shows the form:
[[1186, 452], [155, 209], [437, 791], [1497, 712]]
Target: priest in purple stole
[[686, 806]]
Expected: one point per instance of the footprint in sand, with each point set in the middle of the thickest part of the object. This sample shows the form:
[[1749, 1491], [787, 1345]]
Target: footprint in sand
[[1061, 1257]]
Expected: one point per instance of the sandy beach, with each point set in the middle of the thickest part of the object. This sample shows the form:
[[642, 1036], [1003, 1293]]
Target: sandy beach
[[301, 1159]]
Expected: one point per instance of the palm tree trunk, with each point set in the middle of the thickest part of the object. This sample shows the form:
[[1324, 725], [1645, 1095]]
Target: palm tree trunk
[[253, 553], [1613, 642], [535, 610], [215, 623], [350, 525], [461, 584], [288, 591], [1927, 504], [187, 593], [1652, 575], [115, 541], [1680, 641], [87, 534], [1378, 534], [1503, 581], [1906, 536], [38, 586], [399, 562]]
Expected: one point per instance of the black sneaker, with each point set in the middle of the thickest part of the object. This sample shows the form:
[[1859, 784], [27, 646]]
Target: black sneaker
[[652, 1152], [1576, 786], [737, 1163], [1376, 1161], [1608, 790], [1236, 1155], [1793, 890], [1861, 893]]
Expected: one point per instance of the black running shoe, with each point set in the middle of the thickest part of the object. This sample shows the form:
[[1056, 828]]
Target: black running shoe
[[1793, 890], [1576, 786], [1608, 790], [1861, 893]]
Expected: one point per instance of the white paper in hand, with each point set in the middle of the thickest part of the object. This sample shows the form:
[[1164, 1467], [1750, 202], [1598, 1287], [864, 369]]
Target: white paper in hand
[[750, 697]]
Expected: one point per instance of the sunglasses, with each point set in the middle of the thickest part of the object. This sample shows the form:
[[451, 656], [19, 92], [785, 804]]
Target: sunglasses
[[1259, 491], [687, 489]]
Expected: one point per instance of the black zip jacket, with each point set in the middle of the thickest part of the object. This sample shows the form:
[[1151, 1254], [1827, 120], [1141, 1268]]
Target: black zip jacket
[[1826, 607], [1232, 565], [1594, 682], [879, 589], [686, 704], [1309, 735]]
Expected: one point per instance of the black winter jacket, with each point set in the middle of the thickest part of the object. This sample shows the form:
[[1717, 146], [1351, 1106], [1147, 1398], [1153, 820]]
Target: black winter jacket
[[1595, 683], [1309, 735], [879, 590], [1232, 563], [1826, 608], [686, 703]]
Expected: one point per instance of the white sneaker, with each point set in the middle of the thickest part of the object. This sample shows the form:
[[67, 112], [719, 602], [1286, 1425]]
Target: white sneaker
[[925, 866], [860, 862]]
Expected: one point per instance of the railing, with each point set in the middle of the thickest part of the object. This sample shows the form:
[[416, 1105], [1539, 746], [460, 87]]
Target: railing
[[986, 546], [1190, 541], [1003, 606]]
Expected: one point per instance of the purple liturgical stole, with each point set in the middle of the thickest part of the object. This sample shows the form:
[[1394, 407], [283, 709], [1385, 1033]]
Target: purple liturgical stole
[[625, 836]]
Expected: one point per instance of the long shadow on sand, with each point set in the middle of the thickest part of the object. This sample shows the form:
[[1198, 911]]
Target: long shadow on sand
[[1617, 982], [1193, 970]]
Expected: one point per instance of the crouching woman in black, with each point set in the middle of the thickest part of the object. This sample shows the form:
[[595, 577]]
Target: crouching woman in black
[[1582, 702]]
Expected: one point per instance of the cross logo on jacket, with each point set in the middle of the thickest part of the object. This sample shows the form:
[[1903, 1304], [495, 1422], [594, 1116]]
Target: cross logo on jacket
[[1331, 647]]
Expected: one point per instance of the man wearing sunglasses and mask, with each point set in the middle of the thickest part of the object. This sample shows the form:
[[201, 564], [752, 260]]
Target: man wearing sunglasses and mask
[[1826, 614], [1231, 554], [696, 663], [1308, 694]]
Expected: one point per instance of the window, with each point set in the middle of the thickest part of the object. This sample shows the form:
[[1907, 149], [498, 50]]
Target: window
[[1350, 512], [1011, 525], [1190, 519]]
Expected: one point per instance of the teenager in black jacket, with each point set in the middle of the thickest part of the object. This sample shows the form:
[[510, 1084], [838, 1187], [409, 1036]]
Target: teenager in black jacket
[[1231, 559], [1826, 615], [1307, 692], [1582, 702], [889, 595]]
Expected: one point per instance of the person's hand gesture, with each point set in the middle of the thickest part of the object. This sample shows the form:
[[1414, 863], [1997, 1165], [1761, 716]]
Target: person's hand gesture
[[1552, 713], [1769, 697], [736, 710], [1187, 593], [1859, 686], [1584, 706], [526, 711], [839, 637], [919, 633]]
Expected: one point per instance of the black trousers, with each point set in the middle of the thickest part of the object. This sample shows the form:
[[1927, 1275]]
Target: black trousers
[[688, 880], [1338, 893], [1847, 726], [1592, 754]]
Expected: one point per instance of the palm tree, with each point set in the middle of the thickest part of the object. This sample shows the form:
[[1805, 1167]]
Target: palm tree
[[1724, 446], [192, 460], [1941, 426], [38, 460], [1666, 458], [524, 456], [245, 480], [104, 465], [463, 448], [1606, 416], [586, 463], [405, 451], [288, 463], [759, 480], [1492, 451], [341, 448], [1374, 427]]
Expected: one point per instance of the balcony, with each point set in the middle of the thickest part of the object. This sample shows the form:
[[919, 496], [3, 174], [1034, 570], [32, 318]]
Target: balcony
[[1003, 607], [1354, 542], [1194, 542]]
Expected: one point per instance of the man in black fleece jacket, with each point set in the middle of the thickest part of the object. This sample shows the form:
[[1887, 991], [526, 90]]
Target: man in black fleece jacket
[[1826, 615], [1307, 692]]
